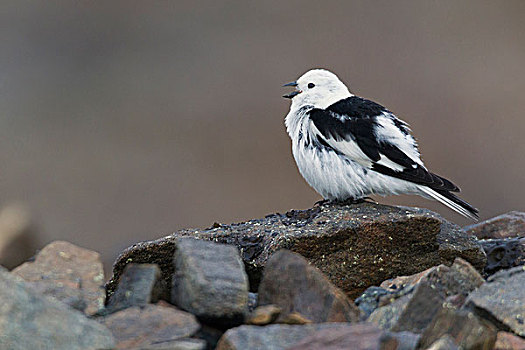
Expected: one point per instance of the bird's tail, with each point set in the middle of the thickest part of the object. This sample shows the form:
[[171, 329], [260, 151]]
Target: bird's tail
[[452, 201]]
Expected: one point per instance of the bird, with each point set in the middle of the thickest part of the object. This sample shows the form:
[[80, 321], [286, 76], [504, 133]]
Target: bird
[[348, 147]]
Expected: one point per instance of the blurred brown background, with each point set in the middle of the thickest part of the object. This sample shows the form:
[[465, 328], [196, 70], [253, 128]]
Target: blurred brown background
[[124, 121]]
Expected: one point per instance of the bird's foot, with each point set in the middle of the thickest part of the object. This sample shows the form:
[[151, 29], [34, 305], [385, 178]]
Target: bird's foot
[[361, 200], [321, 202]]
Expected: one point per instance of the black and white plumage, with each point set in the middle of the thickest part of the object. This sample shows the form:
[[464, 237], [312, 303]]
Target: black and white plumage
[[347, 147]]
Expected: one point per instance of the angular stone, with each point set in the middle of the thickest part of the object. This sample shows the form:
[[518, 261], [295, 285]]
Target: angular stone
[[362, 336], [511, 224], [467, 330], [460, 278], [69, 273], [264, 315], [271, 337], [503, 253], [355, 246], [29, 320], [446, 342], [509, 341], [412, 312], [294, 285], [502, 300], [136, 287], [210, 282], [143, 327]]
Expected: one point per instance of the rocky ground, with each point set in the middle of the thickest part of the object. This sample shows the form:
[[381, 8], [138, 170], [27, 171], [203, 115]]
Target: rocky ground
[[362, 276]]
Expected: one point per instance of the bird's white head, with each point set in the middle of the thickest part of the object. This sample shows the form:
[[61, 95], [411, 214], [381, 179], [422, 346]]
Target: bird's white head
[[318, 88]]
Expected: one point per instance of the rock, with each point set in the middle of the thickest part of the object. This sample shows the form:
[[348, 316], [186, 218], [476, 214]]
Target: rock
[[252, 301], [403, 340], [294, 318], [502, 300], [355, 246], [29, 320], [412, 312], [18, 241], [467, 330], [409, 308], [460, 278], [446, 342], [362, 336], [143, 327], [503, 253], [294, 285], [179, 344], [136, 287], [264, 315], [271, 337], [210, 282], [508, 341], [369, 300], [69, 273], [511, 224], [210, 335]]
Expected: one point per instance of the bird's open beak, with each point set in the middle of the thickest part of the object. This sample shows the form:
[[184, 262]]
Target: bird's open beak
[[293, 93]]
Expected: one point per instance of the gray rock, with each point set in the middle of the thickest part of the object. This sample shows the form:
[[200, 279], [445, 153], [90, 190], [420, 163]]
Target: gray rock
[[412, 312], [501, 300], [150, 326], [252, 301], [511, 224], [272, 337], [136, 287], [179, 344], [361, 336], [29, 320], [467, 330], [503, 253], [210, 282], [69, 273], [294, 285], [407, 305], [355, 246]]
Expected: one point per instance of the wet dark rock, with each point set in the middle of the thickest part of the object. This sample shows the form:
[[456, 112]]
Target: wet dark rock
[[264, 315], [355, 246], [143, 327], [509, 341], [29, 320], [69, 273], [139, 285], [369, 300], [294, 285], [501, 300], [210, 282], [272, 337], [511, 224], [361, 336], [464, 327], [503, 253]]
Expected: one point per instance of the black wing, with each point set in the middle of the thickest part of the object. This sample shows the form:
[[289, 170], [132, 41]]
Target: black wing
[[372, 136]]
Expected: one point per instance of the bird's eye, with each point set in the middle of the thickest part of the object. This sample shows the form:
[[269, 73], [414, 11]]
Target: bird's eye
[[311, 85]]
